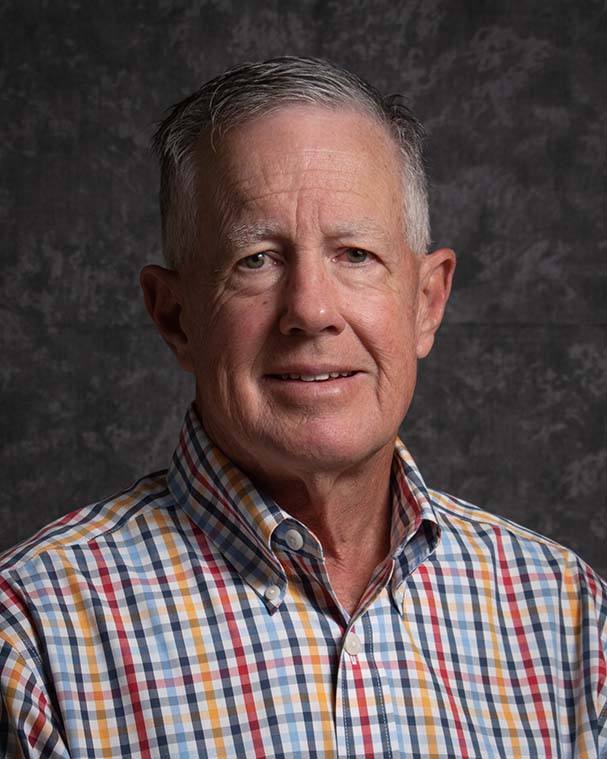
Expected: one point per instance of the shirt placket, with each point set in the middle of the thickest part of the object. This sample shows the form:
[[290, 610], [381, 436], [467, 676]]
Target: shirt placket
[[361, 705]]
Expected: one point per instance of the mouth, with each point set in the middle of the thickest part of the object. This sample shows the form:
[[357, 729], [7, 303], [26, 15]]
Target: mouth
[[320, 377]]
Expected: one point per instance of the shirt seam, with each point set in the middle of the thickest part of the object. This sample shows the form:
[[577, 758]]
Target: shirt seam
[[27, 646], [13, 581], [495, 521], [602, 718]]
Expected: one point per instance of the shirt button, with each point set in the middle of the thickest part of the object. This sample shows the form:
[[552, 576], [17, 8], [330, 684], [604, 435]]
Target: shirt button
[[272, 592], [353, 644], [294, 539]]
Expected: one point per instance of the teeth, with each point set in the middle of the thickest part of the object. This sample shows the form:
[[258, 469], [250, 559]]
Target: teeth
[[315, 377]]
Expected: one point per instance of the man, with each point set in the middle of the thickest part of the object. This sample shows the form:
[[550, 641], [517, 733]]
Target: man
[[290, 587]]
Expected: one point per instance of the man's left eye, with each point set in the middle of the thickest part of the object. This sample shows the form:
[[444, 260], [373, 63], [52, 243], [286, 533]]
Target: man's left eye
[[356, 256]]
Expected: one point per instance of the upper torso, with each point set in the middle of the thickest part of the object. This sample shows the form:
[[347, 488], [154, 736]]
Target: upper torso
[[148, 627]]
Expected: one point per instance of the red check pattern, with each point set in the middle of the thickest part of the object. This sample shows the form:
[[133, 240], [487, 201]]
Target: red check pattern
[[177, 620]]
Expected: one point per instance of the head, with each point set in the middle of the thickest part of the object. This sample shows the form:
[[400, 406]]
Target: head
[[299, 294]]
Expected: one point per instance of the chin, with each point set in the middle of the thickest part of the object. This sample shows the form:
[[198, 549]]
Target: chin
[[328, 447]]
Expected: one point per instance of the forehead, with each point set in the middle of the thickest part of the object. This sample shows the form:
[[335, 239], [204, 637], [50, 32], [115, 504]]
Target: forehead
[[332, 162]]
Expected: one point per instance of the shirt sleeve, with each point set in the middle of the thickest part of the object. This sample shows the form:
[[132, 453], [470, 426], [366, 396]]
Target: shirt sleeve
[[598, 659], [29, 728]]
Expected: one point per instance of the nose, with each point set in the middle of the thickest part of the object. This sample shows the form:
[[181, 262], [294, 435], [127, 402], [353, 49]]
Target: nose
[[311, 301]]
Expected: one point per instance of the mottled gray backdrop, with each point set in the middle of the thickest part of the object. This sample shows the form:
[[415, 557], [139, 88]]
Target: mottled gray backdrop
[[510, 410]]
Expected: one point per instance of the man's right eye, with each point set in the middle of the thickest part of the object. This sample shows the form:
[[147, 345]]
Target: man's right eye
[[254, 261]]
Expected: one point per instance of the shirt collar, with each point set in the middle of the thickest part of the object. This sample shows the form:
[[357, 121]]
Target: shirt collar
[[223, 502], [240, 520], [415, 532]]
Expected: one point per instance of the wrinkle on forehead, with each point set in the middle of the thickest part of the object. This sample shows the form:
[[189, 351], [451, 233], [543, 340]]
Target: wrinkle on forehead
[[293, 171], [303, 174]]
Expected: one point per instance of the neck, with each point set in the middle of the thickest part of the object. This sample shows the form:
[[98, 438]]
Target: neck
[[350, 514]]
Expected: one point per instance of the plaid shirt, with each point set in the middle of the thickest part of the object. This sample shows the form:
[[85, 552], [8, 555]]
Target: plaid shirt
[[191, 617]]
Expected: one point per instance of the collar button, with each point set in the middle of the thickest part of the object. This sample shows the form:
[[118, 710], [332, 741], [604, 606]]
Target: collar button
[[294, 539], [272, 592]]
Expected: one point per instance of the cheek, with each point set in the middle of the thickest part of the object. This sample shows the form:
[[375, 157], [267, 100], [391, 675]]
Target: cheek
[[235, 338], [388, 326]]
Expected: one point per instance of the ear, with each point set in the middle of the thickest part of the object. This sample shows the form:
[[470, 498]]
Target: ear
[[435, 277], [164, 301]]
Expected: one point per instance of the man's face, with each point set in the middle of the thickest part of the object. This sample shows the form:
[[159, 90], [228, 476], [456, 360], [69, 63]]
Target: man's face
[[301, 311]]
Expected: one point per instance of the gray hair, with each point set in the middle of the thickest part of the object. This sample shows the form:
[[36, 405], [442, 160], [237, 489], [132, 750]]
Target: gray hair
[[255, 89]]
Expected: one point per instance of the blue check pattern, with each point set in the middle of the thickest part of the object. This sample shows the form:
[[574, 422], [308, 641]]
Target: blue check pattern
[[191, 617]]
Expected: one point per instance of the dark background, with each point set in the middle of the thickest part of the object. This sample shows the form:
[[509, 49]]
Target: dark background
[[510, 411]]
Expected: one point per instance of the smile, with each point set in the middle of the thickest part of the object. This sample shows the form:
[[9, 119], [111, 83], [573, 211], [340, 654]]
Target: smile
[[314, 377]]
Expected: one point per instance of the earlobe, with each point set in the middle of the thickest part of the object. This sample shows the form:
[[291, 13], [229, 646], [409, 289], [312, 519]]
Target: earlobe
[[436, 276], [164, 302]]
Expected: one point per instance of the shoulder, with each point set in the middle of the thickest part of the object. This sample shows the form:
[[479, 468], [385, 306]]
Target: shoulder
[[68, 565], [516, 554], [81, 527]]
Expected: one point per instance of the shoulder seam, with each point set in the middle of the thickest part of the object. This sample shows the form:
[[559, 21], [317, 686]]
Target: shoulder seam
[[43, 545]]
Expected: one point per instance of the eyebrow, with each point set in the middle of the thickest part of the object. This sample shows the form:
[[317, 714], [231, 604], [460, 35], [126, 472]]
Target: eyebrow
[[242, 235]]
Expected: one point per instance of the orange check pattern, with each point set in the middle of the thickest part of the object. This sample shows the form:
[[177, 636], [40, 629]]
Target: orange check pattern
[[191, 617]]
